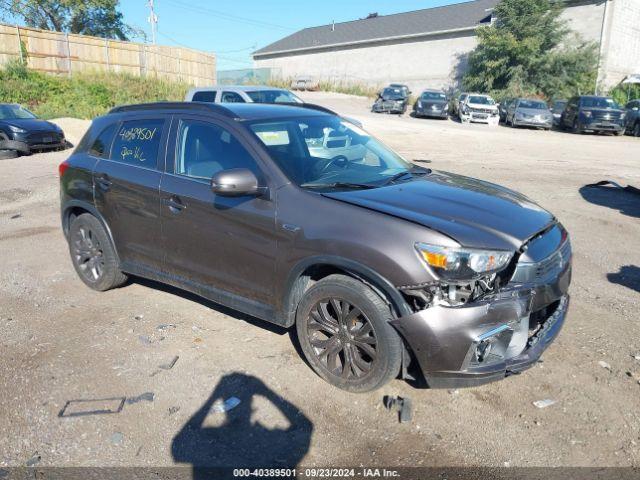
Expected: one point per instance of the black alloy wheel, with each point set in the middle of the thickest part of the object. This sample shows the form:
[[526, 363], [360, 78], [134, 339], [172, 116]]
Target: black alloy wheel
[[344, 332], [342, 338], [88, 254]]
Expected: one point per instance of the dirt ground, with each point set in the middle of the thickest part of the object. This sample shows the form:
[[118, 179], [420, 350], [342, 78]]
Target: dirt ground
[[61, 341]]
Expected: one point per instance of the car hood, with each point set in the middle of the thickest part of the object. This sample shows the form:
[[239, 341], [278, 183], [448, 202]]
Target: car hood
[[483, 105], [396, 98], [534, 111], [32, 124], [474, 213], [433, 102]]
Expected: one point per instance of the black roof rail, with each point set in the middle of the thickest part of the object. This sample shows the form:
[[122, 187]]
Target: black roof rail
[[172, 106], [310, 106]]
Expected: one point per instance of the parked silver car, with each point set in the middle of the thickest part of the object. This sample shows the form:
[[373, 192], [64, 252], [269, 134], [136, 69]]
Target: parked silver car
[[241, 94], [526, 112]]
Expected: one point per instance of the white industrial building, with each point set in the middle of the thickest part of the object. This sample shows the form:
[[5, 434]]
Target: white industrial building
[[428, 48]]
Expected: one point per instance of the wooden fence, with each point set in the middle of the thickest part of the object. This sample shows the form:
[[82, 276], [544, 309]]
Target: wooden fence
[[66, 54]]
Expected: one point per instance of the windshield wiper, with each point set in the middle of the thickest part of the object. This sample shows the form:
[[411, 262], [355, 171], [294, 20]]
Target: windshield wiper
[[416, 171], [338, 185]]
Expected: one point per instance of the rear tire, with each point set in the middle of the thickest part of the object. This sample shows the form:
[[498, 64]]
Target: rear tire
[[92, 254], [636, 130], [344, 331]]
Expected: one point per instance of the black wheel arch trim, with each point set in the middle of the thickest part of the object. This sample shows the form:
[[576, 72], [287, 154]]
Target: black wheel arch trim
[[362, 272], [66, 214]]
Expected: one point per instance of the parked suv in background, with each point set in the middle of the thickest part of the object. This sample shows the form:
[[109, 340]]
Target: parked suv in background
[[478, 108], [384, 268], [241, 94], [593, 114], [632, 119], [526, 112]]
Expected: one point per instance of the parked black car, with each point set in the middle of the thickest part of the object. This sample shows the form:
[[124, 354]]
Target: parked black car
[[433, 104], [632, 119], [383, 267], [392, 100], [23, 131], [557, 107], [593, 114]]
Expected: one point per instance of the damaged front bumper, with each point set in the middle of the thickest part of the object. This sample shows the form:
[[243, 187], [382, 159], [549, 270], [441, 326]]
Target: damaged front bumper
[[489, 339]]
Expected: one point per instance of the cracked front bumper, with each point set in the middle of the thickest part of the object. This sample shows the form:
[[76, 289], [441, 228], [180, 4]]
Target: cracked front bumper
[[489, 339]]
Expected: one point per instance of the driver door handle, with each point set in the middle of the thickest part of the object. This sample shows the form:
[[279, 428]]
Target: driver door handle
[[175, 204]]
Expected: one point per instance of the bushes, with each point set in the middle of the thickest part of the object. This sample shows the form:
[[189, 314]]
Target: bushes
[[83, 95]]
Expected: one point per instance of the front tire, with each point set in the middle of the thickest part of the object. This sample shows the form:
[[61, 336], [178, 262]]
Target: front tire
[[577, 128], [344, 331], [92, 254], [636, 130]]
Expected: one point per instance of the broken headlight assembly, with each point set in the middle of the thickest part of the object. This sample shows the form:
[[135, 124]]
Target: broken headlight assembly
[[464, 275], [461, 264]]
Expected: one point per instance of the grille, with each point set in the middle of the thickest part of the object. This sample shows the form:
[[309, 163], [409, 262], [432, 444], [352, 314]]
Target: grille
[[547, 268], [606, 116], [488, 111], [39, 137]]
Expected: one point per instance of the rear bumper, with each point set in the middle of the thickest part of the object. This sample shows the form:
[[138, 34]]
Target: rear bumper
[[446, 341]]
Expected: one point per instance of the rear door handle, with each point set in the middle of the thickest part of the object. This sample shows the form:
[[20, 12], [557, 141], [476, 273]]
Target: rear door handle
[[174, 204], [103, 182]]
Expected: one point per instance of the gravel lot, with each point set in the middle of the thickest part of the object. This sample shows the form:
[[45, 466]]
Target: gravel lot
[[61, 341]]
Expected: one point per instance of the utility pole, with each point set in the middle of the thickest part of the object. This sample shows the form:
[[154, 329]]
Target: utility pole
[[153, 20]]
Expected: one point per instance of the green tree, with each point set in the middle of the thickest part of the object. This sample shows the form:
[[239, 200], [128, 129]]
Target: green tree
[[99, 18], [529, 51]]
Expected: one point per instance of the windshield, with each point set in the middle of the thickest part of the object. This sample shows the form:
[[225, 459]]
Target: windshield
[[273, 96], [598, 102], [14, 112], [393, 92], [559, 105], [533, 104], [433, 96], [482, 100], [319, 152]]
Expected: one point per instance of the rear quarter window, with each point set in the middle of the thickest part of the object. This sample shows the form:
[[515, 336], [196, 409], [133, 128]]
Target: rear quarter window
[[137, 143], [101, 146]]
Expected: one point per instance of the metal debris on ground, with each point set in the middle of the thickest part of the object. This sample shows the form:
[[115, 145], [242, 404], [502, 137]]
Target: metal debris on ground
[[222, 406], [165, 326], [401, 405], [138, 317], [34, 460], [544, 403], [173, 410], [101, 406], [147, 397], [604, 365], [17, 215], [171, 364]]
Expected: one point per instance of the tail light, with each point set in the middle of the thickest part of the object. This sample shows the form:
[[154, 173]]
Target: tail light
[[63, 168]]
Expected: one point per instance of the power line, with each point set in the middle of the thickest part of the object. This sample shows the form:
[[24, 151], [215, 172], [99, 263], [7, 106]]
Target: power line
[[229, 59], [227, 16]]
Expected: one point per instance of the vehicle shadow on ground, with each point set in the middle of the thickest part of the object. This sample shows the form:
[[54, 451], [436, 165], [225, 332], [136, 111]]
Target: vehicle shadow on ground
[[237, 440], [627, 203], [209, 304], [628, 276]]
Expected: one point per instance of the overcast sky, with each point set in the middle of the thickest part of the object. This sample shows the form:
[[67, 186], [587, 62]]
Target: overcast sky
[[233, 29]]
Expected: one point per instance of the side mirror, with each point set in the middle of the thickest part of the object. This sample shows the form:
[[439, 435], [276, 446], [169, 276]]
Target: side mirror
[[236, 182], [635, 109]]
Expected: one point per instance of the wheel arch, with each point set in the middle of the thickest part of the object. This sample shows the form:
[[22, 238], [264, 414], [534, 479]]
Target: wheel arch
[[310, 270], [75, 208]]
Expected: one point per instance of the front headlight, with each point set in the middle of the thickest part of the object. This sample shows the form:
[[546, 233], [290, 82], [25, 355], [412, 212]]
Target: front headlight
[[15, 129], [623, 115], [419, 104], [462, 263]]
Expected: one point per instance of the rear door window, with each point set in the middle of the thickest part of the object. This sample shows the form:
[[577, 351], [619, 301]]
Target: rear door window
[[209, 97], [231, 97], [137, 143]]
